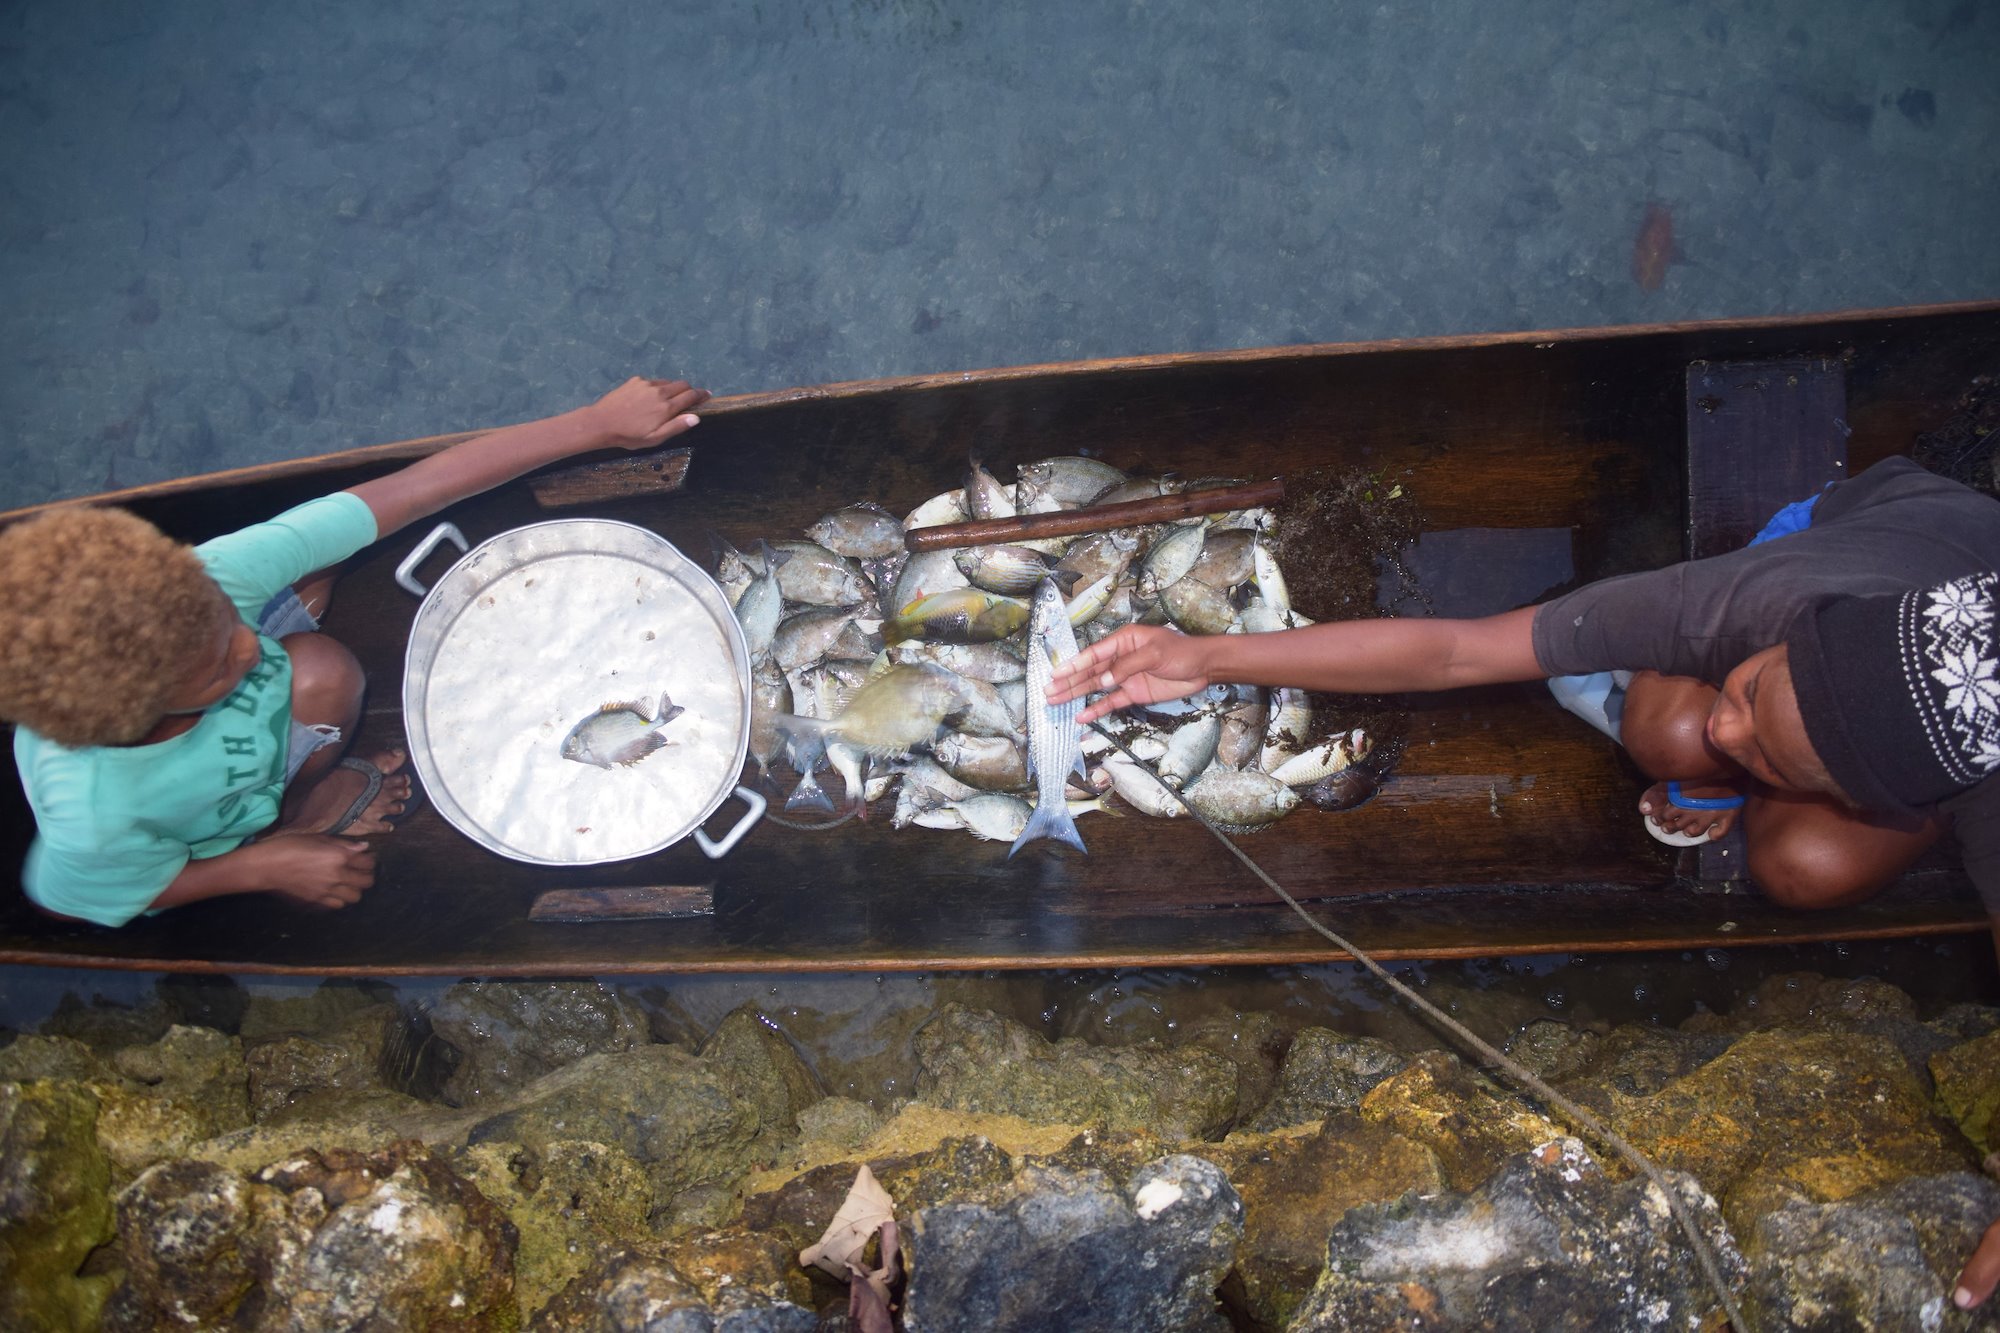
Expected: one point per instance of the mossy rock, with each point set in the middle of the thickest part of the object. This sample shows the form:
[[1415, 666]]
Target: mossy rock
[[55, 1207], [971, 1060], [1968, 1088]]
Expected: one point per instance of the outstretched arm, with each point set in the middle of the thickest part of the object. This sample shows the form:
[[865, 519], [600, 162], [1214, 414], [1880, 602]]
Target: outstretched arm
[[1143, 664], [636, 414]]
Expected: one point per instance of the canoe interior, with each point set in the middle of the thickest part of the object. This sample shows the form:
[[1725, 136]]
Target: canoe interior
[[1539, 461]]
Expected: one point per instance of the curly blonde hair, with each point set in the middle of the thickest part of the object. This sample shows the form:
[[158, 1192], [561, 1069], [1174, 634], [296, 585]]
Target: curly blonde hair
[[102, 617]]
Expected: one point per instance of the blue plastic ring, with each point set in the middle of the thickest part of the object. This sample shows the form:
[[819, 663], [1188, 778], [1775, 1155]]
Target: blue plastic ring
[[1702, 802]]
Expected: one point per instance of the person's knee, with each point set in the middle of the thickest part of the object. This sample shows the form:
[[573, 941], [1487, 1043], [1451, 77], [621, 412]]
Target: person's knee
[[1793, 872], [1664, 727], [327, 680]]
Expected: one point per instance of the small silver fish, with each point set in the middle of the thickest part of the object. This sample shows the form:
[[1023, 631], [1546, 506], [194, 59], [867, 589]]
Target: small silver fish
[[1191, 749], [923, 575], [1141, 789], [1169, 560], [620, 733], [815, 576], [860, 531], [1323, 760], [937, 511], [990, 763], [1067, 481], [1285, 733], [770, 695], [1240, 800], [761, 606], [1009, 570], [1198, 608], [985, 497], [1054, 742]]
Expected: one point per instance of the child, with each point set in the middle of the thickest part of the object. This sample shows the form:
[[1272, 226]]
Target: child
[[172, 702], [1840, 678]]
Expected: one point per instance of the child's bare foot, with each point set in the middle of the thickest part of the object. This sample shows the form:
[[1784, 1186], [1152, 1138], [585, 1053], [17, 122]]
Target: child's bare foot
[[1692, 821], [329, 807]]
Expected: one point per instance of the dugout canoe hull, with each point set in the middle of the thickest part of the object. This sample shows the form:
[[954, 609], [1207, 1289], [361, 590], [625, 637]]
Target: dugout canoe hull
[[1539, 459]]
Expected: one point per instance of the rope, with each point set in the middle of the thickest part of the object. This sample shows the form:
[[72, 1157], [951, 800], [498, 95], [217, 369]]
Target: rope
[[783, 822], [1593, 1127]]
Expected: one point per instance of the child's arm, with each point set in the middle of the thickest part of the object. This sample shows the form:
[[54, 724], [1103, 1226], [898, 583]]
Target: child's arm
[[314, 869], [1148, 664], [636, 414]]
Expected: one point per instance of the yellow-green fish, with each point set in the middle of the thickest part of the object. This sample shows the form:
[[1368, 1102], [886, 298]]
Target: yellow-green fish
[[961, 615]]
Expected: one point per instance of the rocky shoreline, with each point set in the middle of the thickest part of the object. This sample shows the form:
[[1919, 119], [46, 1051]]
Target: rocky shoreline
[[563, 1156]]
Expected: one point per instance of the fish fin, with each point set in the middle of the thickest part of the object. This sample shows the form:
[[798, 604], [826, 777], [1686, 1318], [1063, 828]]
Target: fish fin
[[1080, 768], [638, 748], [1050, 822], [624, 706]]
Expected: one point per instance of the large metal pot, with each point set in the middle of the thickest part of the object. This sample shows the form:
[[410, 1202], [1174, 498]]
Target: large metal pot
[[533, 632]]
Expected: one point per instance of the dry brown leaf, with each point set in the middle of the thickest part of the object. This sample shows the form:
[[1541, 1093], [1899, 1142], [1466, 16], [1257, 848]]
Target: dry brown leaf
[[862, 1213]]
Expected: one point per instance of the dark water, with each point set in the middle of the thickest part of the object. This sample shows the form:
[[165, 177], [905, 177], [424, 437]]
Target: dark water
[[238, 233], [234, 233]]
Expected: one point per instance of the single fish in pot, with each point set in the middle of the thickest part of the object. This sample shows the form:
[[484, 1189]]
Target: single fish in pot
[[620, 733], [1054, 739]]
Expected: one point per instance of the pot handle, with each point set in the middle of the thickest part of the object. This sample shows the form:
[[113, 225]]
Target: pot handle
[[715, 849], [406, 573]]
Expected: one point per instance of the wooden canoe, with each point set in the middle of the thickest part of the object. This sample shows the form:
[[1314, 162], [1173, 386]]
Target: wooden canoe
[[1540, 460]]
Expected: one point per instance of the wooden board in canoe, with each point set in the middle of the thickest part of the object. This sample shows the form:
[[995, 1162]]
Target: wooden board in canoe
[[1540, 460]]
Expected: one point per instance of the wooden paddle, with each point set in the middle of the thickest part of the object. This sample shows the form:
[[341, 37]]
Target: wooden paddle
[[1103, 518]]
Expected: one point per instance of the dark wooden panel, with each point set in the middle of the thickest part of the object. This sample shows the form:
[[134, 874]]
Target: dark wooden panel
[[1760, 434]]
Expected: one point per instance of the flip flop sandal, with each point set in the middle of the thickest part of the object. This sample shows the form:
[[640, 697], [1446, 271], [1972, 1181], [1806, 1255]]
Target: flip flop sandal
[[1674, 797], [371, 788]]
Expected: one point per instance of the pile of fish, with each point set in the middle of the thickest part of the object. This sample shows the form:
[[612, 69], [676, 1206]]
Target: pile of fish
[[927, 672]]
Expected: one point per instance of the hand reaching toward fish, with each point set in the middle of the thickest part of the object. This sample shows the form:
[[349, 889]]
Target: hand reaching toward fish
[[641, 412], [1138, 664]]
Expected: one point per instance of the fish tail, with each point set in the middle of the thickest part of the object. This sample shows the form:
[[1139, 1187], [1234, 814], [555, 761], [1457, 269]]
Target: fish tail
[[809, 796], [1050, 822], [669, 710]]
